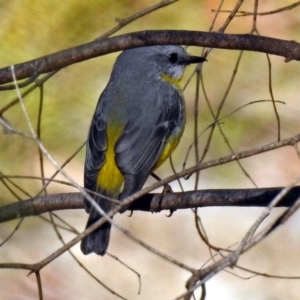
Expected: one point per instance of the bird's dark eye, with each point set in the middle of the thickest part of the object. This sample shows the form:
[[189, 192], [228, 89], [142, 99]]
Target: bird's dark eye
[[173, 57]]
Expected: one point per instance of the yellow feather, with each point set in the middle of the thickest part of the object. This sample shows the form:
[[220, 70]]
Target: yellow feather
[[110, 178], [170, 146], [172, 80], [173, 140]]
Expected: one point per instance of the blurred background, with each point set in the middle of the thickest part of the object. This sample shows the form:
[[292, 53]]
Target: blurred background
[[30, 29]]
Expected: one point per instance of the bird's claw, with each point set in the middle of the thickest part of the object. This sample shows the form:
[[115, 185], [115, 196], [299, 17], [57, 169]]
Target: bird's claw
[[171, 213]]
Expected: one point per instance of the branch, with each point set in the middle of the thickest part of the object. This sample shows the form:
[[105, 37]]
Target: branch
[[171, 201], [154, 202], [288, 49]]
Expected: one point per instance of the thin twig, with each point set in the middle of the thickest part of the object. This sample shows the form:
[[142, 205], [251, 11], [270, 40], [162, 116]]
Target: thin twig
[[124, 22]]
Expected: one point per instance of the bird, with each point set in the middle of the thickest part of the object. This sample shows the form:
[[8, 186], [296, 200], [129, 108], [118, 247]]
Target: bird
[[138, 123]]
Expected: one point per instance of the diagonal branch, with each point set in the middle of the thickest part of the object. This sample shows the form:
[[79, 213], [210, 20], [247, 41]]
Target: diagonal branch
[[154, 202]]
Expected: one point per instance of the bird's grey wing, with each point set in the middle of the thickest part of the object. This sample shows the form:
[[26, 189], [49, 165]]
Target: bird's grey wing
[[142, 142], [96, 146]]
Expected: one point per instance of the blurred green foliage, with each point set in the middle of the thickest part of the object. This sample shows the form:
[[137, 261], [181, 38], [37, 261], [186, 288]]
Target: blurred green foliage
[[30, 29], [33, 28]]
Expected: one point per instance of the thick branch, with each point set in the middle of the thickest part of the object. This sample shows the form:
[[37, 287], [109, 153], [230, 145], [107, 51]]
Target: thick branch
[[288, 49], [154, 203]]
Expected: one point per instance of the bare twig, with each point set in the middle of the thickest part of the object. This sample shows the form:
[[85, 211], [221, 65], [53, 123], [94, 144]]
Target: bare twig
[[266, 13], [124, 22]]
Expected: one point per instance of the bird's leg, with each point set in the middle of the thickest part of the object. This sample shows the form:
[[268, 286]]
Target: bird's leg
[[167, 189]]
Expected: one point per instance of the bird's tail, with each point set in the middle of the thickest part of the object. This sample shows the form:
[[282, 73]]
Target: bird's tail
[[97, 241]]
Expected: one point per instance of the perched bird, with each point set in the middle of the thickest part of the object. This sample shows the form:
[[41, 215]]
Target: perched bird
[[138, 122]]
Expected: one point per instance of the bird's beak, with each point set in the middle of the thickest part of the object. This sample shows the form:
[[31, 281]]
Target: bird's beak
[[195, 60]]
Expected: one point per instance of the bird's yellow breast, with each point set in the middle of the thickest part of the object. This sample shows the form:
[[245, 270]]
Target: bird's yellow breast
[[170, 145], [172, 142]]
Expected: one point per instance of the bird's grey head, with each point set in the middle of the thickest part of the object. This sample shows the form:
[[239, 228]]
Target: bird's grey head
[[157, 61]]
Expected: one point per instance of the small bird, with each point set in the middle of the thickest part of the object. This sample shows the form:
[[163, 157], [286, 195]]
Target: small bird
[[138, 122]]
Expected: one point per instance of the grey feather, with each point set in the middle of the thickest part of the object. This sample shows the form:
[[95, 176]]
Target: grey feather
[[149, 110]]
